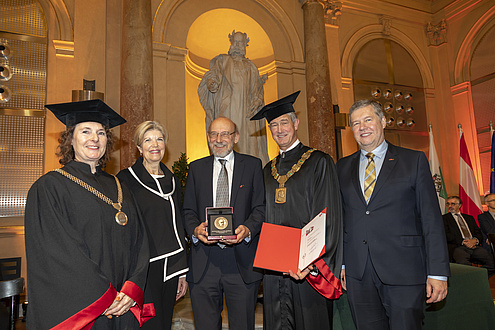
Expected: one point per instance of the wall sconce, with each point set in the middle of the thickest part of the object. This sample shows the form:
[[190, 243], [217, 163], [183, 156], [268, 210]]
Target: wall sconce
[[5, 94], [5, 50], [5, 72]]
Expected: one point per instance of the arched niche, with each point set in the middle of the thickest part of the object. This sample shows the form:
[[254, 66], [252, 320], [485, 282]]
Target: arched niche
[[386, 72], [472, 39], [58, 19], [207, 37], [171, 27], [482, 82], [173, 19], [371, 32]]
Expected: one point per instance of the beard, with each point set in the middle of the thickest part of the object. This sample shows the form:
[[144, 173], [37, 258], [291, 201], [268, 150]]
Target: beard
[[237, 51], [223, 153]]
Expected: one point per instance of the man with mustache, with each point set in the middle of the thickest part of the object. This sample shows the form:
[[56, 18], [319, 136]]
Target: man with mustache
[[233, 88], [464, 237], [224, 267]]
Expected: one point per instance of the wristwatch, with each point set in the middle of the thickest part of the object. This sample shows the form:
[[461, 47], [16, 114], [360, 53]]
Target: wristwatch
[[315, 271]]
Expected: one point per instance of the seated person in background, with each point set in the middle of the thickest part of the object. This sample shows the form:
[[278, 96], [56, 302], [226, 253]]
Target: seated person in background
[[464, 237], [487, 219]]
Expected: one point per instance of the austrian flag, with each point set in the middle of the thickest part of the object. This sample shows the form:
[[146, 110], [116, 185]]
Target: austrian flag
[[468, 189]]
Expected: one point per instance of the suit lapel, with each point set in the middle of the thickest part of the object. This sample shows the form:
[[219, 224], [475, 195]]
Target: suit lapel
[[208, 177], [236, 177], [355, 176], [391, 159]]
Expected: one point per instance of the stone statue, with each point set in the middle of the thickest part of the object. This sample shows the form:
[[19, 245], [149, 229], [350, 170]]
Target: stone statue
[[233, 88]]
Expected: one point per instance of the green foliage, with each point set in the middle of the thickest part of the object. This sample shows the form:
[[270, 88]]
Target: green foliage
[[180, 169]]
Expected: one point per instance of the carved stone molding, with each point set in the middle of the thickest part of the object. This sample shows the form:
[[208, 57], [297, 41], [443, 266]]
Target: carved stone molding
[[333, 11], [436, 34], [386, 22]]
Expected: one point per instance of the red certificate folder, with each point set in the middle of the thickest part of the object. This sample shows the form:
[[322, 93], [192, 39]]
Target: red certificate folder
[[279, 246]]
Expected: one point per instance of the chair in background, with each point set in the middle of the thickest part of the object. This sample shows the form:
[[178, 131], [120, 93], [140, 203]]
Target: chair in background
[[10, 289], [491, 239], [10, 269]]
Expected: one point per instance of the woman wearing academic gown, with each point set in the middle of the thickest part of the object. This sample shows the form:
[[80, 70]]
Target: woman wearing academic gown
[[86, 245], [157, 192]]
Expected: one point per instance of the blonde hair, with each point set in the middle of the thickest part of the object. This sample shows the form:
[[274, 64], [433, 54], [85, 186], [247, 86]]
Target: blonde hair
[[146, 126]]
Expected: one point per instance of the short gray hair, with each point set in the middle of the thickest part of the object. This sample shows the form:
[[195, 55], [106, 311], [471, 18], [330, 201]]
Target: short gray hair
[[292, 116], [377, 108]]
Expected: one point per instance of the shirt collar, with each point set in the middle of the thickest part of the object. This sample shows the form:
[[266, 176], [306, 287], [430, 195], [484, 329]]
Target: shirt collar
[[289, 148], [379, 151], [229, 158]]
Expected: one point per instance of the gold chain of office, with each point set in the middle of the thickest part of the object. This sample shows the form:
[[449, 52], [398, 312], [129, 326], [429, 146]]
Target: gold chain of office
[[120, 217], [281, 191]]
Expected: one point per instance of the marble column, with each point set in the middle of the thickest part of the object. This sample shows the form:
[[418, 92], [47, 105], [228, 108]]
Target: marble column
[[319, 100], [136, 78]]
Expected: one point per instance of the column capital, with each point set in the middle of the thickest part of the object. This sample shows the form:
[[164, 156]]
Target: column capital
[[333, 11]]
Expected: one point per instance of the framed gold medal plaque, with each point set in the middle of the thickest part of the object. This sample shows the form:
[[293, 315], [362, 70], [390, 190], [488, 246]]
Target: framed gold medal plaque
[[220, 225]]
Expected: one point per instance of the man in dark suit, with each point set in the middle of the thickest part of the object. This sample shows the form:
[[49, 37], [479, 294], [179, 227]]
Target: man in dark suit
[[464, 237], [487, 219], [224, 266], [395, 252]]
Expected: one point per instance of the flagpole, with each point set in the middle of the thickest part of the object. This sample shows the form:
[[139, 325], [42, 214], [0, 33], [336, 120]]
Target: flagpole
[[492, 162]]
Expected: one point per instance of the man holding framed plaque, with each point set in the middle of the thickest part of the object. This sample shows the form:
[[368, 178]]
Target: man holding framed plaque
[[224, 208], [300, 183]]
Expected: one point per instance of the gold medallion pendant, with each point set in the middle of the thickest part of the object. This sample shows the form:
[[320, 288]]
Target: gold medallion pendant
[[121, 218], [281, 191], [281, 195]]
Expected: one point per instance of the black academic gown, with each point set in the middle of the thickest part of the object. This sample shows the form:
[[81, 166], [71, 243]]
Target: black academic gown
[[78, 257], [160, 211], [290, 304]]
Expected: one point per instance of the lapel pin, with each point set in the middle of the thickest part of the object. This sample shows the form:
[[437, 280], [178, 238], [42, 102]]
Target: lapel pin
[[241, 186]]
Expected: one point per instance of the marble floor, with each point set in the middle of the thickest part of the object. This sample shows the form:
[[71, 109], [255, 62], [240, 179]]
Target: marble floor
[[183, 316]]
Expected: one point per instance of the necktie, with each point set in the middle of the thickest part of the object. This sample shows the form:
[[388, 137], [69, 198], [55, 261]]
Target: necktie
[[464, 228], [222, 198], [369, 177]]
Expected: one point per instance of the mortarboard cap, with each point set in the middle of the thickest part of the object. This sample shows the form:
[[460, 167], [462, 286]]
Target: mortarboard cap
[[277, 108], [73, 113]]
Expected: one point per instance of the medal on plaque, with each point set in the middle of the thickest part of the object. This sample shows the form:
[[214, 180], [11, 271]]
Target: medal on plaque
[[220, 224]]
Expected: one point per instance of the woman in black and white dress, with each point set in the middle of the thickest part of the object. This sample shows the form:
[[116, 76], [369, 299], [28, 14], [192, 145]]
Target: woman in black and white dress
[[157, 193]]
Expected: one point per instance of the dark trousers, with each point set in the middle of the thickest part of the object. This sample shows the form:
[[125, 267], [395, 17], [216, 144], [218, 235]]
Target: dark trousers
[[378, 306], [222, 277], [163, 296], [465, 256]]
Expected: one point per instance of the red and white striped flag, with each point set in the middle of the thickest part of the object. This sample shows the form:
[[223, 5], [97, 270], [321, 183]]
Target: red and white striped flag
[[468, 189]]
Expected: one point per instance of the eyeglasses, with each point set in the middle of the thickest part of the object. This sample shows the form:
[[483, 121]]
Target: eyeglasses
[[451, 203], [223, 135]]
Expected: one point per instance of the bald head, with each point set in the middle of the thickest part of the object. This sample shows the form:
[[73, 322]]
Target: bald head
[[222, 135], [490, 202]]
